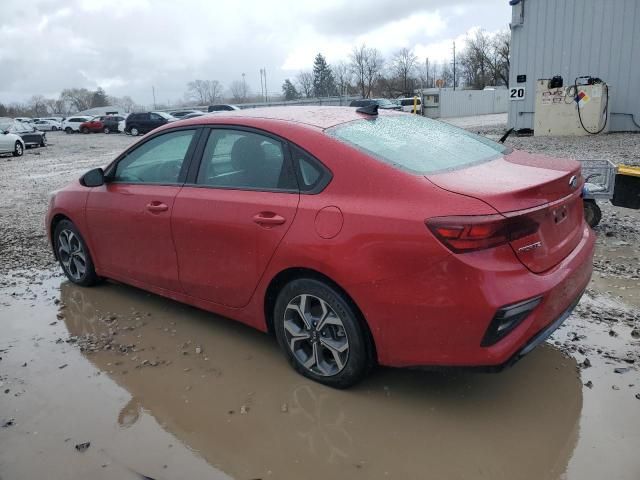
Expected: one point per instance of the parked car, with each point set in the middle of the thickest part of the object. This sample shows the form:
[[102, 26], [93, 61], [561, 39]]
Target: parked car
[[72, 124], [194, 115], [406, 104], [182, 113], [47, 125], [474, 254], [112, 123], [222, 108], [93, 125], [137, 123], [383, 103], [54, 119], [10, 142], [30, 136], [24, 119]]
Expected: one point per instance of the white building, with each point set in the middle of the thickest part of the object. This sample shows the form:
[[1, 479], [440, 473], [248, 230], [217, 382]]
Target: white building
[[573, 38]]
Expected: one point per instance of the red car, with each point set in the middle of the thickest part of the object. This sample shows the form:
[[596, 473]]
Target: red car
[[355, 238], [94, 125]]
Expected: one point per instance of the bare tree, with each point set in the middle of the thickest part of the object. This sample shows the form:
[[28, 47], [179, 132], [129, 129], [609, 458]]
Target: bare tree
[[305, 83], [127, 103], [403, 65], [239, 90], [79, 99], [204, 92], [485, 59], [343, 76], [38, 105], [366, 65], [501, 49]]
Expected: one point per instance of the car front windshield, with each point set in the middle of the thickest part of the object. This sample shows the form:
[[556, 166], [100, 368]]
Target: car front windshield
[[417, 144]]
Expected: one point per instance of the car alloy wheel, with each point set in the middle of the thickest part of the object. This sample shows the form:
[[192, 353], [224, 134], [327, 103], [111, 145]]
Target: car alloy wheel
[[72, 255], [315, 335], [134, 131], [106, 130], [19, 150]]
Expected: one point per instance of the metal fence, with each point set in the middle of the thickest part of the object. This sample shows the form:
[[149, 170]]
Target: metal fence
[[331, 101]]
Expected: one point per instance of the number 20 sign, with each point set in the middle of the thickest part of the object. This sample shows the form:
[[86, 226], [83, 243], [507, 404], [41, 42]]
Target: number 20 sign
[[517, 93]]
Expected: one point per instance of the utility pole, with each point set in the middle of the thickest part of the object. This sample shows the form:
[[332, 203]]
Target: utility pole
[[244, 88], [153, 91], [262, 84], [454, 66], [266, 91], [427, 66]]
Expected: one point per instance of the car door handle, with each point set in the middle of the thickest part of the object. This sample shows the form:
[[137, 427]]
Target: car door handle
[[157, 207], [268, 219]]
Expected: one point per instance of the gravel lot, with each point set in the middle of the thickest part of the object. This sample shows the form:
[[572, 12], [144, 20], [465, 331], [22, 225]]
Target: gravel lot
[[161, 390]]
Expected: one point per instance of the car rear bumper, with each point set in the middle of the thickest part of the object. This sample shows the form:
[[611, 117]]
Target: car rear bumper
[[440, 317]]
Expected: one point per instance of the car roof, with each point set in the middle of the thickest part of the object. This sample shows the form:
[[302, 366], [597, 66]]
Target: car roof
[[315, 116]]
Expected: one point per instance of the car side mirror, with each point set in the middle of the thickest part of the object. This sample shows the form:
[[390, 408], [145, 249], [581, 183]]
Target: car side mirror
[[93, 178]]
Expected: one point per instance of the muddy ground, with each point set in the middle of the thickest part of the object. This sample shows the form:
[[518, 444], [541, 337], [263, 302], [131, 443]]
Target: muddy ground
[[115, 383]]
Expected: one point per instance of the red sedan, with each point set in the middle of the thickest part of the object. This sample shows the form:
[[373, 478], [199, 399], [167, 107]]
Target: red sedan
[[94, 125], [355, 238]]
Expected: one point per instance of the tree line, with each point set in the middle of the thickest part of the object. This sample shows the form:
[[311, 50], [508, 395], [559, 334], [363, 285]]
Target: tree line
[[483, 62], [70, 100]]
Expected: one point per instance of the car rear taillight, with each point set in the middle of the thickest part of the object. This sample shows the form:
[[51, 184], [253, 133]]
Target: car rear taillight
[[462, 234]]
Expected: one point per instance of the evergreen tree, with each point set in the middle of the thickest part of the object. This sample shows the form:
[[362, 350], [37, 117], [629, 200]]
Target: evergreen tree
[[289, 90], [99, 98], [323, 82]]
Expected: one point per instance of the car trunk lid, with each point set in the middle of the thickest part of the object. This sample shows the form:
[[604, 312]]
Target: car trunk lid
[[542, 189]]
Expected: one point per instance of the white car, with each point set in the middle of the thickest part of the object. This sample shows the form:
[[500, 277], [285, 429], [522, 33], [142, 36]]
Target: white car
[[72, 124], [407, 104], [46, 125], [10, 142]]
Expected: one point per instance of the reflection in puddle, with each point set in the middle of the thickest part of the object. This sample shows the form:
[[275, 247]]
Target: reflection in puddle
[[244, 410]]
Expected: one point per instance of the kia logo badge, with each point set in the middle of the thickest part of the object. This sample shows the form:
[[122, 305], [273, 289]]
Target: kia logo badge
[[573, 181]]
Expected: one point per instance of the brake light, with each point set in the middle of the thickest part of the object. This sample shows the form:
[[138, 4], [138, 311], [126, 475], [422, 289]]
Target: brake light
[[462, 234]]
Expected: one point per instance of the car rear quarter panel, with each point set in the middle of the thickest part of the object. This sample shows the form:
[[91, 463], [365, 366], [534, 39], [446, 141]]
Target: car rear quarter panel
[[383, 238]]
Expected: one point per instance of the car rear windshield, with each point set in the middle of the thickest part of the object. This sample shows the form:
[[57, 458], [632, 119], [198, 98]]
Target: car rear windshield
[[417, 144]]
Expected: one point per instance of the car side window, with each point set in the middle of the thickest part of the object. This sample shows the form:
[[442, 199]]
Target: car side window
[[312, 176], [158, 160], [155, 116], [245, 160]]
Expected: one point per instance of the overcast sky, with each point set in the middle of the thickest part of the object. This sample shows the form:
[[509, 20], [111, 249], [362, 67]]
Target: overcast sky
[[128, 46]]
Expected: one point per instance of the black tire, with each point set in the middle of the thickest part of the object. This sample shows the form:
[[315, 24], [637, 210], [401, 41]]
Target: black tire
[[592, 213], [68, 130], [358, 359], [134, 131], [106, 130], [43, 141], [85, 130], [54, 129], [70, 264], [18, 150]]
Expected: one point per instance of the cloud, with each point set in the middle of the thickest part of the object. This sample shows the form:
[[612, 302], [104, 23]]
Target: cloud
[[128, 46]]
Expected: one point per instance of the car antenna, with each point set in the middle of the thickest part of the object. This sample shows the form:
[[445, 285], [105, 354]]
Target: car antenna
[[368, 109], [506, 134]]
